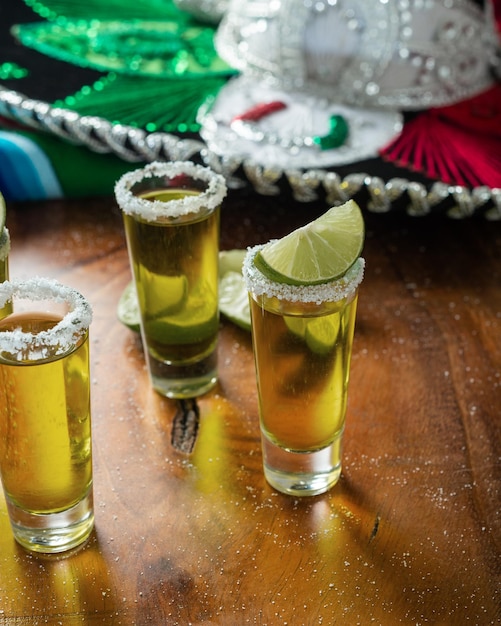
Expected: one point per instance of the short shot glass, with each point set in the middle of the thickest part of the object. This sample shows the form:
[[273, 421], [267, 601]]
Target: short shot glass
[[45, 414], [302, 341], [171, 215]]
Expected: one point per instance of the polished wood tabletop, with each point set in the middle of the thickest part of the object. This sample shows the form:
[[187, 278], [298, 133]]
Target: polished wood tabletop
[[410, 535]]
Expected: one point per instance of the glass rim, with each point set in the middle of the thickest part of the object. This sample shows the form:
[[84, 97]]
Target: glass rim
[[63, 335], [151, 210], [258, 284]]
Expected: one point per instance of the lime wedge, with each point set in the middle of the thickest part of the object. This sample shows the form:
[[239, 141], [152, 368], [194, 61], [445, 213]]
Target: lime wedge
[[127, 309], [231, 261], [234, 299], [3, 213], [233, 296], [322, 251]]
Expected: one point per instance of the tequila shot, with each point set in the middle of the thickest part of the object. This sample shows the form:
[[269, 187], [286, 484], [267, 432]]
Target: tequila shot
[[45, 415], [171, 217]]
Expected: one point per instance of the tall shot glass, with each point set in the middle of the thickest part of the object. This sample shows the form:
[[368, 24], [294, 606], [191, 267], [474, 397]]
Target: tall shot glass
[[171, 218], [45, 417], [302, 340]]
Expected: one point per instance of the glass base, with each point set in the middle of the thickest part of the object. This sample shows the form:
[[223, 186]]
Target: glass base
[[54, 532], [302, 473], [183, 381]]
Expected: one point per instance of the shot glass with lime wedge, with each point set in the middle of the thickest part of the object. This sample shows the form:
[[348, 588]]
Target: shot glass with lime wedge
[[171, 218], [4, 255], [303, 294]]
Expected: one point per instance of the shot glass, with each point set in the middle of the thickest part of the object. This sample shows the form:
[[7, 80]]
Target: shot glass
[[171, 218], [4, 266], [302, 341], [45, 418]]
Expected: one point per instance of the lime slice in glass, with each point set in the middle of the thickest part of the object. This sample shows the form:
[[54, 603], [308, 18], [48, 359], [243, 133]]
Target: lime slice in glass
[[162, 295], [320, 252], [196, 322], [321, 334], [233, 298], [297, 325]]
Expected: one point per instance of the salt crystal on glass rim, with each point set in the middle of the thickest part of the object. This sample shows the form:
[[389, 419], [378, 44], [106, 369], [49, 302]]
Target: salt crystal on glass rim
[[333, 291], [151, 210], [62, 336]]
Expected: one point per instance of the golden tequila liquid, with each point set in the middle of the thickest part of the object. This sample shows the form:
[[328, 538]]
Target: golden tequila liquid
[[302, 365], [45, 432], [45, 438], [175, 267]]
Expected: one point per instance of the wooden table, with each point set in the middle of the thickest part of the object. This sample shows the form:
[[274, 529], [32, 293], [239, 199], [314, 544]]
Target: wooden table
[[412, 532]]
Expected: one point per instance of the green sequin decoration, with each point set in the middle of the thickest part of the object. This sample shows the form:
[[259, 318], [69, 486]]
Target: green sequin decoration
[[61, 11], [337, 135], [147, 48], [148, 103], [159, 63], [9, 71]]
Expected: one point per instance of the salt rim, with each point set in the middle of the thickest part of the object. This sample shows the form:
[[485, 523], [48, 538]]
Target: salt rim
[[257, 283], [61, 336], [4, 244], [150, 210]]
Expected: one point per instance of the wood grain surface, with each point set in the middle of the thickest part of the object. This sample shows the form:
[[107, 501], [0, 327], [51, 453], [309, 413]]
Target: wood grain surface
[[412, 532]]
